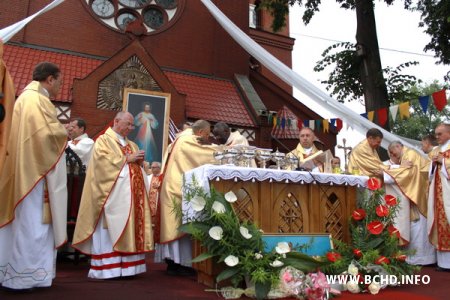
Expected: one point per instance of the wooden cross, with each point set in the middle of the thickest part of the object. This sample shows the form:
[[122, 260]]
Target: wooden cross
[[346, 153]]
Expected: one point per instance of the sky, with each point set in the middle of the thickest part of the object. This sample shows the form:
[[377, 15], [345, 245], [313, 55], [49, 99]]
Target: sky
[[397, 29]]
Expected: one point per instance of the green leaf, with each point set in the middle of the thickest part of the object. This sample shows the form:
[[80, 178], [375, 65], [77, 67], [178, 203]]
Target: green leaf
[[193, 226], [202, 257], [227, 273]]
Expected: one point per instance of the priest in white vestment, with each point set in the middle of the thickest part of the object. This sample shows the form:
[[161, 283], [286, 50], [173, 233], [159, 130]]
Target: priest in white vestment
[[410, 220], [80, 142], [114, 221], [33, 203], [187, 153], [439, 197]]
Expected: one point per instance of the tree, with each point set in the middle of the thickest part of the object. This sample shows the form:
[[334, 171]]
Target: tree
[[371, 73], [421, 123], [344, 80]]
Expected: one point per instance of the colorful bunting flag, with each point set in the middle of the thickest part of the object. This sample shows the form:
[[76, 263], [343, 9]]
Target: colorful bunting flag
[[318, 124], [325, 125], [299, 124], [382, 116], [338, 124], [312, 125], [306, 123], [283, 122], [274, 121], [424, 100], [440, 99], [393, 109], [370, 115], [404, 110]]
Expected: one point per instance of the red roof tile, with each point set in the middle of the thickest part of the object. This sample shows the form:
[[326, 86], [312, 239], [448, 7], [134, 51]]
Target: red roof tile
[[211, 99], [207, 98], [21, 61]]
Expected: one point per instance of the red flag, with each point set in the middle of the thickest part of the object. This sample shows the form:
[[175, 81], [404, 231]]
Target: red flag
[[299, 124], [382, 116], [338, 124], [440, 100]]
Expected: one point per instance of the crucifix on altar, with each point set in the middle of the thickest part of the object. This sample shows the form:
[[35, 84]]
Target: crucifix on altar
[[347, 150]]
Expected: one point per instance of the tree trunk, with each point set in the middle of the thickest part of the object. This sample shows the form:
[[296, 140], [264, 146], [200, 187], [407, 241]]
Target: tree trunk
[[374, 86]]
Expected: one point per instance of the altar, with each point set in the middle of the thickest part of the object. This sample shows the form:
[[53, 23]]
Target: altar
[[280, 201]]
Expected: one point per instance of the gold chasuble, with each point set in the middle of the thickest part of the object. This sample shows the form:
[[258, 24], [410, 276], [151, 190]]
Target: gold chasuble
[[300, 152], [128, 218], [413, 181], [439, 203], [366, 160], [186, 155], [33, 150], [6, 106]]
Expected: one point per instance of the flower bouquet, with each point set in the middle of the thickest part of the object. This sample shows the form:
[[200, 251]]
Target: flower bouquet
[[374, 249], [211, 220]]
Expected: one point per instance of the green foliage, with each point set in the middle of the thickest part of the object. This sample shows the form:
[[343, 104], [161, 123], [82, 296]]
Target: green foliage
[[435, 16], [344, 80], [241, 241], [420, 123], [367, 247]]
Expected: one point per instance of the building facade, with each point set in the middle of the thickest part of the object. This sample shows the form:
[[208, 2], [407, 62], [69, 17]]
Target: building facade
[[167, 46]]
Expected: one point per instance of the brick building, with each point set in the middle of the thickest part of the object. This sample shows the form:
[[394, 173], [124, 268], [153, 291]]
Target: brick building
[[168, 46]]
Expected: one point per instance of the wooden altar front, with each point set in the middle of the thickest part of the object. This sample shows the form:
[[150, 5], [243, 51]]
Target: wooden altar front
[[283, 201]]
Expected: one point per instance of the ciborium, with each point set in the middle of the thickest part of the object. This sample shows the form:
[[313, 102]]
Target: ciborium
[[263, 155], [278, 158]]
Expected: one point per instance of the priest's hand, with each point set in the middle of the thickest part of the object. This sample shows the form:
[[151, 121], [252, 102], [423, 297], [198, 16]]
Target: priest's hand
[[137, 157], [437, 159]]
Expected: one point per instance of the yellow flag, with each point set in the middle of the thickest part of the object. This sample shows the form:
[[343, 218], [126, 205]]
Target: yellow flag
[[403, 108], [325, 125], [370, 115]]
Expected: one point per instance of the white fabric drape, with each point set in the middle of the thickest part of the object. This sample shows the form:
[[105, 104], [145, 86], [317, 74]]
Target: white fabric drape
[[7, 33], [286, 74]]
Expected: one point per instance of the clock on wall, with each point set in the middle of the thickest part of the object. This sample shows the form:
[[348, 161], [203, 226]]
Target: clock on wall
[[154, 15]]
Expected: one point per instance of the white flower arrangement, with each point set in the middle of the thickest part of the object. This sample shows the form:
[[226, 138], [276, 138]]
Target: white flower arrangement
[[218, 207], [282, 248], [231, 260], [198, 203], [353, 287], [216, 233], [245, 233], [374, 288], [230, 197]]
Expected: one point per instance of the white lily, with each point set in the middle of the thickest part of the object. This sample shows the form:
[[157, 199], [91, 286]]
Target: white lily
[[374, 288], [353, 287], [245, 233], [231, 260], [276, 263], [352, 270], [198, 203], [258, 255], [216, 232], [282, 247], [218, 207], [230, 197]]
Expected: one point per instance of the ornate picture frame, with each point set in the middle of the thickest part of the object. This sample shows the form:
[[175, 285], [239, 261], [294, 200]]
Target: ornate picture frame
[[151, 112]]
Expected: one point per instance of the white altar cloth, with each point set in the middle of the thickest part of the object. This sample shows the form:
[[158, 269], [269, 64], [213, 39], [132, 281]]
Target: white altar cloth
[[204, 174]]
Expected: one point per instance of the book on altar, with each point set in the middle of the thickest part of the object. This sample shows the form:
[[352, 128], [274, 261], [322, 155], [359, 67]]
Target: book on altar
[[319, 158]]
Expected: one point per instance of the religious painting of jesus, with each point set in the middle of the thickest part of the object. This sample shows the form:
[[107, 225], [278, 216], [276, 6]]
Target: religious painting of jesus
[[151, 120]]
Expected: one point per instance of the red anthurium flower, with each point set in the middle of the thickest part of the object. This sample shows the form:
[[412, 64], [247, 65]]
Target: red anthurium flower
[[359, 214], [333, 256], [382, 260], [393, 231], [390, 200], [382, 210], [373, 184], [357, 253], [401, 257], [375, 227]]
